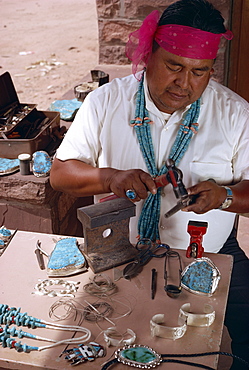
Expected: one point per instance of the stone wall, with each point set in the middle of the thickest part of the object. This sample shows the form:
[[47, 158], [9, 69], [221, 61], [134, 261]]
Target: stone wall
[[29, 203], [117, 18]]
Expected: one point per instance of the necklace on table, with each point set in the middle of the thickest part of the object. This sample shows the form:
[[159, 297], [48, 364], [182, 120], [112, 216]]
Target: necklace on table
[[12, 315]]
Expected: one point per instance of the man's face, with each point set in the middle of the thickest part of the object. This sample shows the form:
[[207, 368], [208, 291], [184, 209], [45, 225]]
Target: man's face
[[175, 82]]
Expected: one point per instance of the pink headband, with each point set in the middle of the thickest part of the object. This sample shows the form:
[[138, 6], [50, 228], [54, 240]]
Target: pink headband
[[181, 40]]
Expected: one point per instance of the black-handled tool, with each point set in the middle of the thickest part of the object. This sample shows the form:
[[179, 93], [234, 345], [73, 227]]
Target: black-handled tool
[[153, 282]]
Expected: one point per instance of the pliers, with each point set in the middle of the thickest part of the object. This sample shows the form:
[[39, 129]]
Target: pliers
[[174, 175]]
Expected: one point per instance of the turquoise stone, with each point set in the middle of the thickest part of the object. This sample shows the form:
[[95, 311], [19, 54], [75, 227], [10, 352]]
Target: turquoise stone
[[8, 165], [131, 194], [66, 253], [138, 354], [5, 232], [199, 277], [66, 108], [42, 163]]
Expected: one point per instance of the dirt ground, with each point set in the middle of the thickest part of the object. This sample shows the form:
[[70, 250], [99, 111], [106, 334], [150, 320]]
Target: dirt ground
[[47, 46]]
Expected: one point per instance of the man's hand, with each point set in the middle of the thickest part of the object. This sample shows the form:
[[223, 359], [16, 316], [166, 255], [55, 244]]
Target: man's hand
[[80, 179], [207, 195], [135, 179]]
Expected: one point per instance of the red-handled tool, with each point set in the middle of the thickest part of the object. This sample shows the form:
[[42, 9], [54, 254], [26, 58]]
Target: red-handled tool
[[196, 229], [160, 181], [109, 197], [173, 176]]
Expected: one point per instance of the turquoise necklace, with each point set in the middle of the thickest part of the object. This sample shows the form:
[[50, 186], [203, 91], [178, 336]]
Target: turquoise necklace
[[150, 214], [12, 315]]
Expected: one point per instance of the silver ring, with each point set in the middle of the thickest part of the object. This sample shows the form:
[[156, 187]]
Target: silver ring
[[131, 194]]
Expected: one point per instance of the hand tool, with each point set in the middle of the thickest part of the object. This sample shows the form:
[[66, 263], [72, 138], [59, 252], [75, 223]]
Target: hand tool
[[179, 189], [146, 251], [172, 290], [39, 254], [172, 176], [153, 282], [196, 229]]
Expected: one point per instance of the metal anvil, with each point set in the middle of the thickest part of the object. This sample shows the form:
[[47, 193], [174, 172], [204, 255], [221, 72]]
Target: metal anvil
[[106, 233]]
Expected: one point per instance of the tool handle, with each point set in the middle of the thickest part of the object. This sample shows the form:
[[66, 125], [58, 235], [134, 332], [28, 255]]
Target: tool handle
[[109, 197], [40, 259], [153, 282], [159, 181]]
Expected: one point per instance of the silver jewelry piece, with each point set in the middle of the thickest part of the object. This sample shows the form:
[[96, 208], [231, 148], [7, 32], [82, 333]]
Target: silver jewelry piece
[[197, 319], [44, 288], [201, 277], [113, 338], [131, 355], [159, 330]]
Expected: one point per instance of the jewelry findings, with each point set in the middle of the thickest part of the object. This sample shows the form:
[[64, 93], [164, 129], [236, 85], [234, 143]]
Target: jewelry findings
[[69, 288], [101, 285], [97, 311]]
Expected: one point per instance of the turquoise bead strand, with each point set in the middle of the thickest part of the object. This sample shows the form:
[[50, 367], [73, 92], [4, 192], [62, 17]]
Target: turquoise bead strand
[[150, 214]]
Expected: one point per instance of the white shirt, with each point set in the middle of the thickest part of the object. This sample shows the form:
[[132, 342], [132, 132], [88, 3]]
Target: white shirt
[[102, 136]]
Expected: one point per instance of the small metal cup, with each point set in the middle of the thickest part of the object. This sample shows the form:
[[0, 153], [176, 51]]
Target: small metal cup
[[24, 160]]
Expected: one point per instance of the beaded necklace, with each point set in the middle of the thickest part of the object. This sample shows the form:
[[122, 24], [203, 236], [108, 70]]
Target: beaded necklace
[[149, 218], [12, 315]]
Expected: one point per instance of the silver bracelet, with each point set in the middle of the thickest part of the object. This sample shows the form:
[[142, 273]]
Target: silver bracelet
[[159, 330], [113, 338], [197, 319]]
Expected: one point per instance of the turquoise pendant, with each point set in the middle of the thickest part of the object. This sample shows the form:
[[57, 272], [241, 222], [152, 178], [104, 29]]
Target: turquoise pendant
[[138, 356], [201, 277], [41, 164]]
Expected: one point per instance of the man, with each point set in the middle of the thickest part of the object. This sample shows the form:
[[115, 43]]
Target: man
[[125, 131]]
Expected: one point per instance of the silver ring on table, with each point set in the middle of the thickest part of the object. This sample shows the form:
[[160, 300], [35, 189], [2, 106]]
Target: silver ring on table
[[131, 194]]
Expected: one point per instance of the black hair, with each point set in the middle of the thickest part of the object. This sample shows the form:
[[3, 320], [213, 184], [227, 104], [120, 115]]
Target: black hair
[[199, 14]]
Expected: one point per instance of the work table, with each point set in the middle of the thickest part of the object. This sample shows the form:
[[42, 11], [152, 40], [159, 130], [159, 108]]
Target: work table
[[20, 273]]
